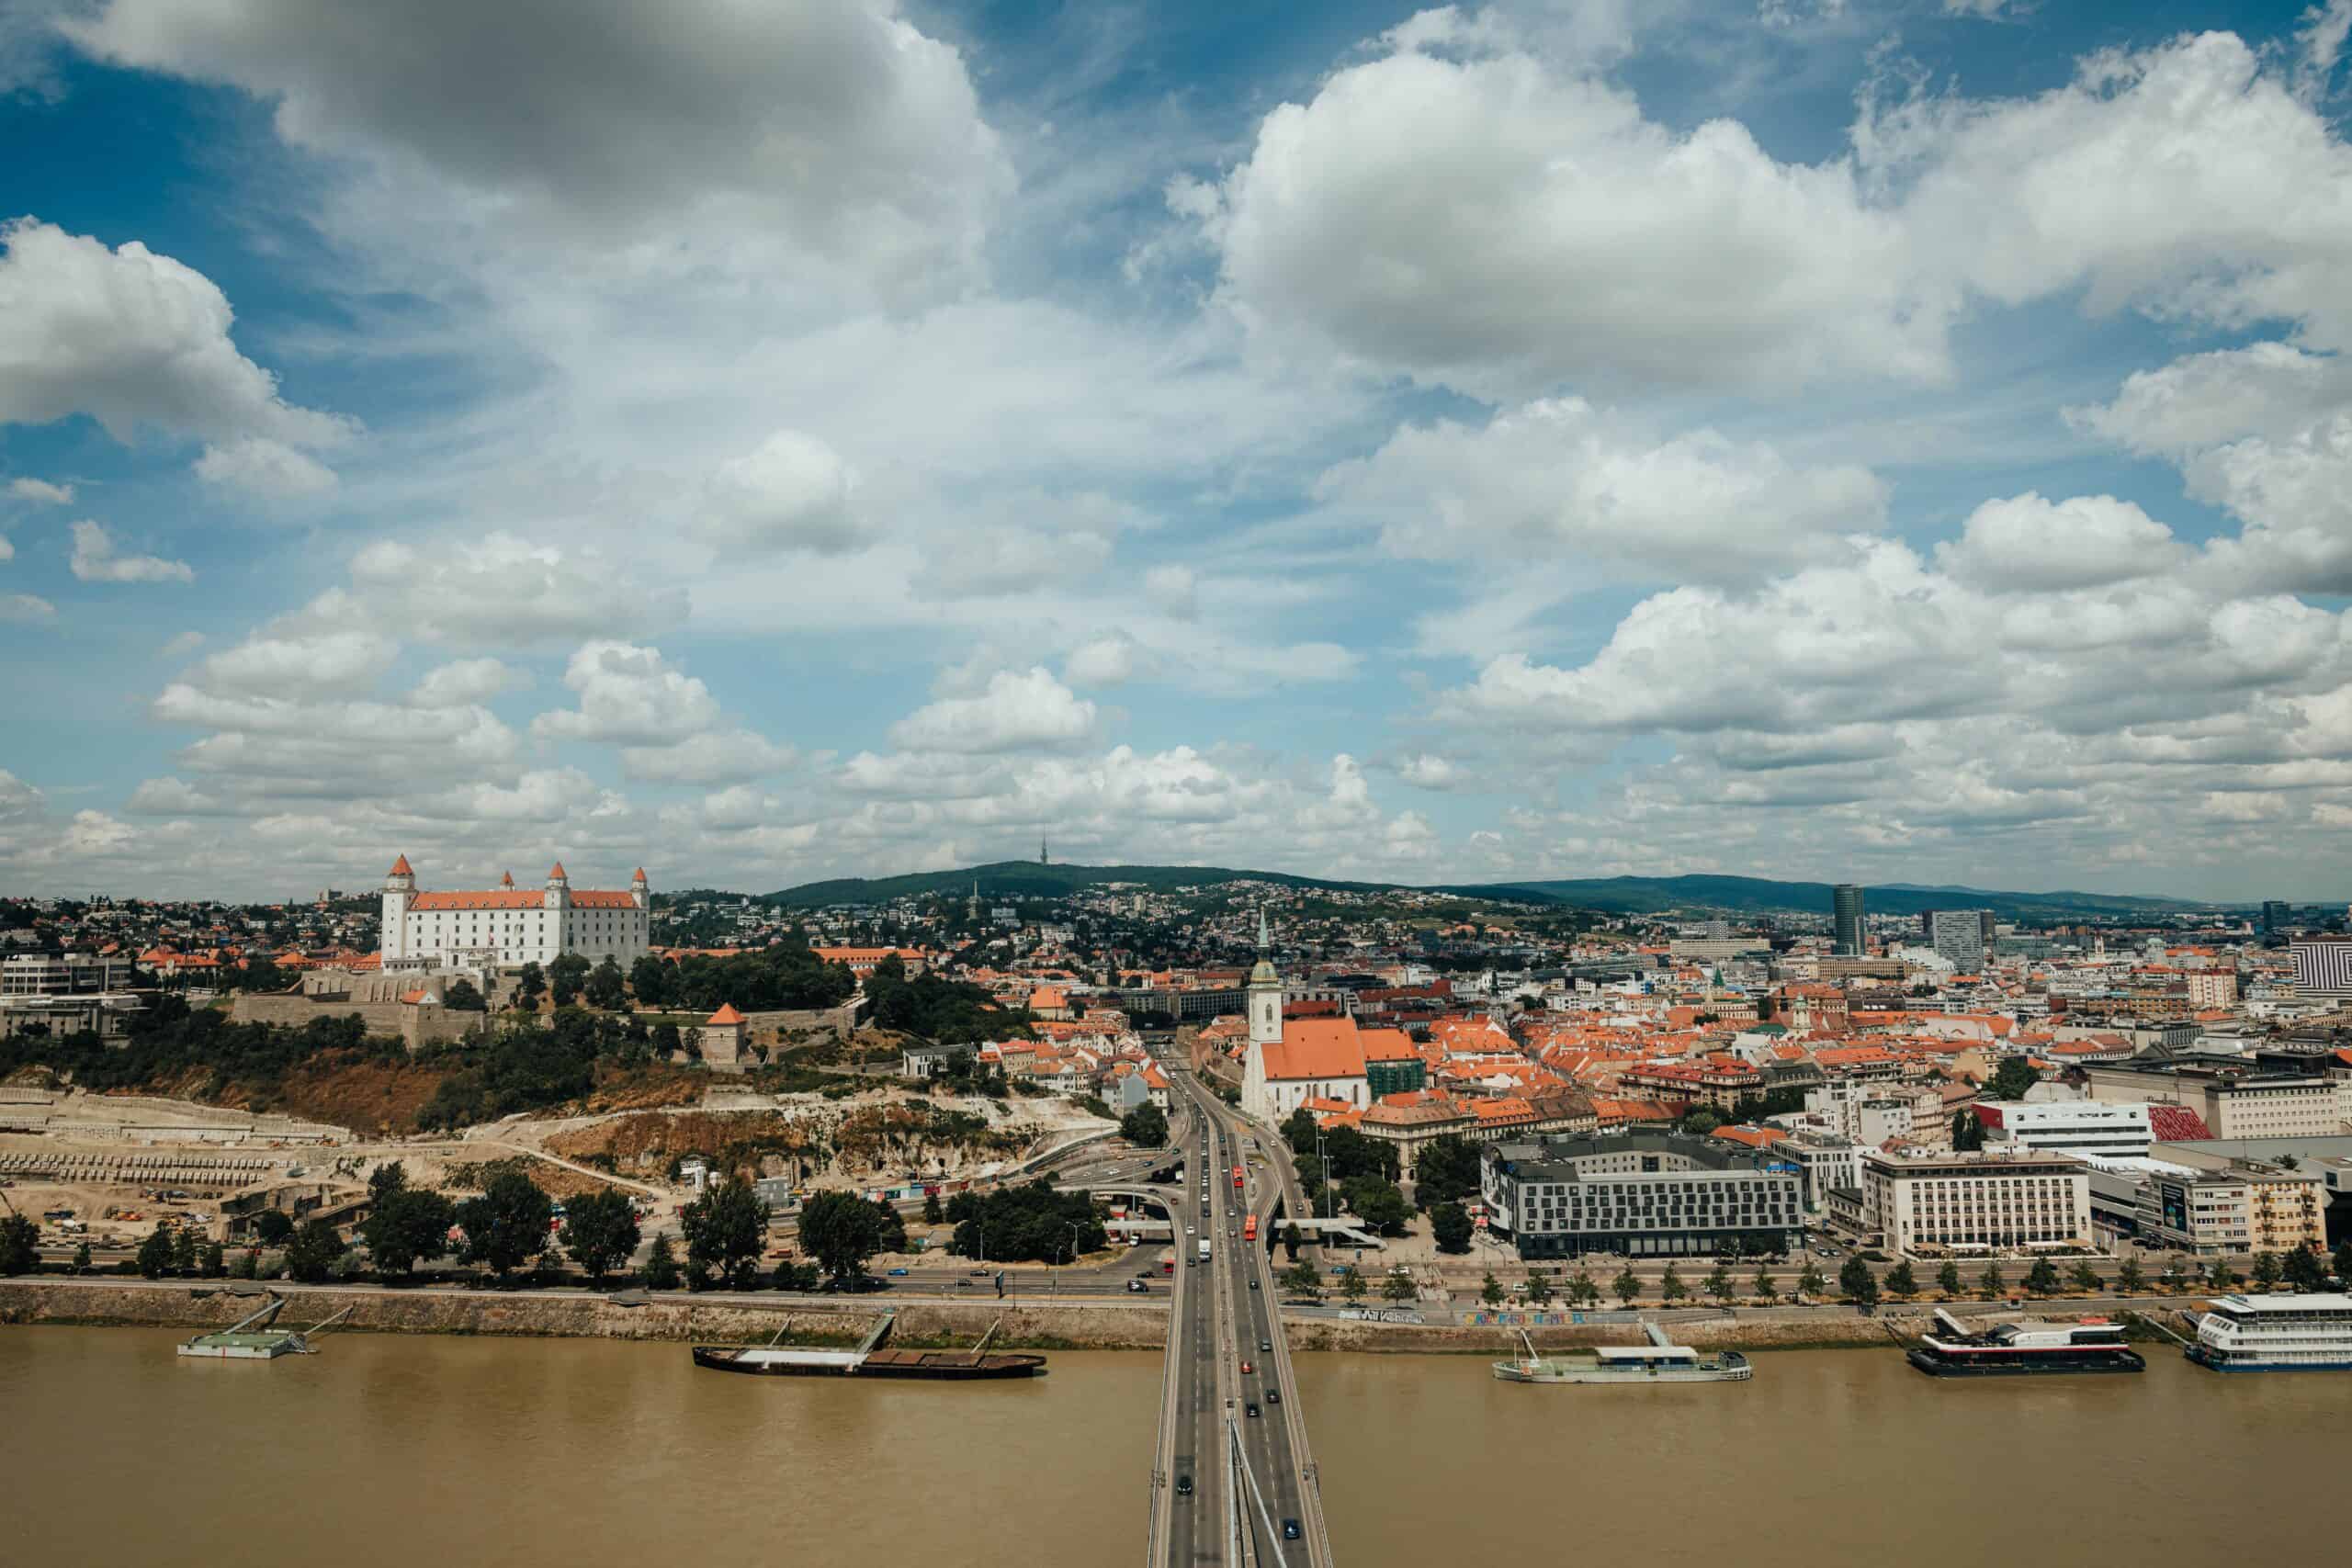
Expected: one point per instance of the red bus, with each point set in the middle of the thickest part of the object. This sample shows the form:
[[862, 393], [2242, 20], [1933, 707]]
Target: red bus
[[1237, 1179], [1168, 1261], [1249, 1228]]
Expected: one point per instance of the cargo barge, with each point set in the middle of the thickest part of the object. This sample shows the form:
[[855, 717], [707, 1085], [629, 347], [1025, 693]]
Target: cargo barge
[[870, 1361]]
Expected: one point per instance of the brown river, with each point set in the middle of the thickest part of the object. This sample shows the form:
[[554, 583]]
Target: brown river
[[437, 1452]]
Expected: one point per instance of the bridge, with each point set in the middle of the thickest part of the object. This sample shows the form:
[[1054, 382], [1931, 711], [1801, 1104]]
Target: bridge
[[1233, 1481]]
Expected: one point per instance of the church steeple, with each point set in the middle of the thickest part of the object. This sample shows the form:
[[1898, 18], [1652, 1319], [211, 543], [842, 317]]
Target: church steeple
[[1265, 990]]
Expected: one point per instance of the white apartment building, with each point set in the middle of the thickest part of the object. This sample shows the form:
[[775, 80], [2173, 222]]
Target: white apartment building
[[1865, 1114], [2210, 989], [1825, 1161], [2235, 1102], [63, 973], [2067, 1126], [1976, 1202], [506, 927]]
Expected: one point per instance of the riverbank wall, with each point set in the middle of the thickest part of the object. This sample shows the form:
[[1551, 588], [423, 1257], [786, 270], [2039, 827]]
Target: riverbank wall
[[721, 1319]]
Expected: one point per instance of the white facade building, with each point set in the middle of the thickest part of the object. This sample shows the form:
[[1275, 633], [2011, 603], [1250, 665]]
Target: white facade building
[[505, 927], [2067, 1126], [1976, 1202]]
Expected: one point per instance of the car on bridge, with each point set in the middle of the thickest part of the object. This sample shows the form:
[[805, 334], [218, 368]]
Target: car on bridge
[[1291, 1530], [1183, 1486], [1247, 1368]]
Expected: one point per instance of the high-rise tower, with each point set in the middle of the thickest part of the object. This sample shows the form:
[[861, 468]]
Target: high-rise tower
[[1846, 910]]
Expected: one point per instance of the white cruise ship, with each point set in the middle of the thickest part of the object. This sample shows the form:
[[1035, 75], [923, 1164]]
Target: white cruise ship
[[2275, 1334]]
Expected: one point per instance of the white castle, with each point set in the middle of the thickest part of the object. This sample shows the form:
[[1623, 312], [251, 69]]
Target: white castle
[[505, 928]]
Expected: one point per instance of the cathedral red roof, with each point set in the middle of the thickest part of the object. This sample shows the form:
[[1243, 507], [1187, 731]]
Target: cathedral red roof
[[400, 867]]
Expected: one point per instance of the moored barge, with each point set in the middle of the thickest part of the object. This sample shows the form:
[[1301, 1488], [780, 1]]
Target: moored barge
[[2025, 1348]]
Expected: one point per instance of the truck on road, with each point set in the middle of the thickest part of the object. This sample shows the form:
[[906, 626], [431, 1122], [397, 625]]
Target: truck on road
[[1204, 1249]]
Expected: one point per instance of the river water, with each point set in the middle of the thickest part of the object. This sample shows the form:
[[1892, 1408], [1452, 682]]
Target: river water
[[435, 1452]]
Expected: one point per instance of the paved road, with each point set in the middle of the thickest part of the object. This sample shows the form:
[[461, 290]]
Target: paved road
[[1227, 1321]]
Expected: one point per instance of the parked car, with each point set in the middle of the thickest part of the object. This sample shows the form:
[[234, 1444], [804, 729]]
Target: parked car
[[898, 1273]]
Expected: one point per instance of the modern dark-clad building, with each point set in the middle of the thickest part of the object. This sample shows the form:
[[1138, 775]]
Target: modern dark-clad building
[[1644, 1194], [1846, 910]]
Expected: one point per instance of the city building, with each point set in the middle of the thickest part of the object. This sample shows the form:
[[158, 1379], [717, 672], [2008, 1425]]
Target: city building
[[63, 973], [2067, 1126], [2236, 1100], [2203, 1212], [1959, 938], [2276, 915], [1824, 1163], [1984, 1202], [1643, 1194], [1861, 1112], [2321, 969], [506, 927], [1845, 915]]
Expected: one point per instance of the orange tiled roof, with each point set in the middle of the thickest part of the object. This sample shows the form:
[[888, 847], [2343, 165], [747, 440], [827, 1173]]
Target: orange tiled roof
[[726, 1014]]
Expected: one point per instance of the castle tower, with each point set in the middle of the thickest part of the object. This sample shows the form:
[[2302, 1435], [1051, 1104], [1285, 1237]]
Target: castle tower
[[558, 908], [506, 879], [399, 891], [639, 890], [1265, 993]]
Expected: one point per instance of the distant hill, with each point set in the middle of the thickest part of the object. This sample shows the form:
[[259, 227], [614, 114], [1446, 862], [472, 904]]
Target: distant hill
[[1027, 879], [1611, 894], [1756, 895]]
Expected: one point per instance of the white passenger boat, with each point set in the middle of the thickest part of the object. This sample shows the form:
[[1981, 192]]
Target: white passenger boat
[[1660, 1360], [2303, 1333]]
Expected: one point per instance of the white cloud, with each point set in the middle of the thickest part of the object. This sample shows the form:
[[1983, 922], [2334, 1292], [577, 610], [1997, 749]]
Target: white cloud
[[25, 609], [1490, 224], [169, 796], [94, 560], [628, 694], [714, 757], [1173, 591], [1560, 479], [465, 681], [790, 492], [1015, 713], [1426, 770], [832, 128], [41, 493], [265, 468], [130, 338], [505, 591], [2027, 544], [181, 646], [298, 656], [1103, 661]]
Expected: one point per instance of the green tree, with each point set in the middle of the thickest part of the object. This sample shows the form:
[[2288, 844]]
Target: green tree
[[1947, 1279], [386, 1179], [155, 1252], [82, 1258], [1858, 1283], [839, 1231], [1292, 1237], [565, 977], [2266, 1269], [2128, 1277], [311, 1255], [1719, 1284], [1701, 1120], [2085, 1279], [1627, 1285], [1301, 1279], [1967, 1131], [1809, 1281], [273, 1227], [2012, 1079], [2221, 1276], [1379, 1203], [661, 1265], [1989, 1282], [2303, 1269], [1764, 1285], [184, 1255], [2344, 1260], [1451, 1225], [1398, 1286], [215, 1262], [1584, 1290], [19, 1244], [651, 978], [1902, 1281], [1670, 1288], [507, 1224], [604, 987], [1352, 1283], [530, 984], [2041, 1280], [802, 1277], [1491, 1292], [1146, 1126], [463, 996], [1446, 1172], [600, 1231], [726, 1226], [932, 1212], [1538, 1291]]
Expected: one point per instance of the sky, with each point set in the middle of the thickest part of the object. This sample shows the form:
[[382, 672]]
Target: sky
[[1837, 439]]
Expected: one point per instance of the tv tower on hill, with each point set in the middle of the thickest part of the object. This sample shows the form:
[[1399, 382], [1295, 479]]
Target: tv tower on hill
[[1041, 850]]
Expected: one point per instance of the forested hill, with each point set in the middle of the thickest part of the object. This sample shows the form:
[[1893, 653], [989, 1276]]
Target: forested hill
[[1028, 879], [1738, 894]]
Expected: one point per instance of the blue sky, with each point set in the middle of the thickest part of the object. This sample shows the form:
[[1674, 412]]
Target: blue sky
[[1902, 442]]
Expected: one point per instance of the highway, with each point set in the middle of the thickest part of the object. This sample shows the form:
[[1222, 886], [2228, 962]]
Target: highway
[[1207, 1509]]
